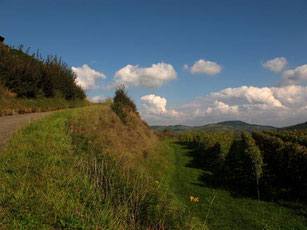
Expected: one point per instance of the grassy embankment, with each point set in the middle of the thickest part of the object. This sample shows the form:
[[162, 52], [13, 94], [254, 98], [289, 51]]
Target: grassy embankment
[[222, 209], [85, 168], [10, 104]]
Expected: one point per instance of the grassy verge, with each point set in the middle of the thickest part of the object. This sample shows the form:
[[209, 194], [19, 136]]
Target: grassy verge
[[85, 169], [221, 209], [10, 104], [20, 106]]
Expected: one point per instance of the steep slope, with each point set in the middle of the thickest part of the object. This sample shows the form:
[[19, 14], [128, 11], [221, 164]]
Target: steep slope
[[10, 104], [31, 76], [29, 83], [86, 169]]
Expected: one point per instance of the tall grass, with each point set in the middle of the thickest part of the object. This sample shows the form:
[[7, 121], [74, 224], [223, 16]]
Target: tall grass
[[85, 169]]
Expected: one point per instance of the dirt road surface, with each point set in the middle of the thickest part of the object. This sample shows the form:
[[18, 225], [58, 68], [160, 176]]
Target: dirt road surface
[[10, 123]]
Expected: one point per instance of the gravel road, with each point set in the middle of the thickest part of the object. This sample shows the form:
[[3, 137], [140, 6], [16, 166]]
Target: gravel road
[[10, 123]]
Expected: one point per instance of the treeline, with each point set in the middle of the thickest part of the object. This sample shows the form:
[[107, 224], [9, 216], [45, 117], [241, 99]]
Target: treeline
[[32, 76], [256, 164]]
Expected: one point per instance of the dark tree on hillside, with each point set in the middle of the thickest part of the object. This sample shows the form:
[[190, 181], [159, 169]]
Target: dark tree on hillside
[[31, 76]]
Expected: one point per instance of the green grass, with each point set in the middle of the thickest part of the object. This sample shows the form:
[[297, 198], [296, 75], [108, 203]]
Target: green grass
[[57, 173], [227, 210], [39, 178], [84, 169], [11, 106]]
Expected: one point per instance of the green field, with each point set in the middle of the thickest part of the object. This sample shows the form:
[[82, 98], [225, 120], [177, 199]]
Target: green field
[[222, 209]]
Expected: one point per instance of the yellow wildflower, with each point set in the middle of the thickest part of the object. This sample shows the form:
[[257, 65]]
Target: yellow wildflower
[[196, 199], [191, 198], [157, 182]]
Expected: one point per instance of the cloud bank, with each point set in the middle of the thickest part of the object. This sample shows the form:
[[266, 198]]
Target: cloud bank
[[86, 77], [276, 65], [148, 77], [267, 105], [294, 76]]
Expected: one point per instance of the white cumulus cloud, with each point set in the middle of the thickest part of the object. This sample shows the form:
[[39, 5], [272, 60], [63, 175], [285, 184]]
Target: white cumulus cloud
[[148, 77], [294, 76], [154, 104], [97, 99], [204, 67], [251, 95], [276, 65], [277, 106], [154, 109], [86, 77], [222, 108]]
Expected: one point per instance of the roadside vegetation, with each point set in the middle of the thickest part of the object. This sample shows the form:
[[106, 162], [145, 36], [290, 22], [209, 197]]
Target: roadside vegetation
[[87, 169], [10, 104], [31, 83]]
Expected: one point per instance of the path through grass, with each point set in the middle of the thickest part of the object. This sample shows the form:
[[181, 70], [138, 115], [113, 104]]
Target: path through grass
[[228, 211]]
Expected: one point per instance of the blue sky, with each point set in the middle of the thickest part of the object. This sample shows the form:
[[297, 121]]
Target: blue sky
[[238, 36]]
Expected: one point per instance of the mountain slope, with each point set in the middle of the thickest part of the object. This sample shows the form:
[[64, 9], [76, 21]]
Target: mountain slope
[[298, 126]]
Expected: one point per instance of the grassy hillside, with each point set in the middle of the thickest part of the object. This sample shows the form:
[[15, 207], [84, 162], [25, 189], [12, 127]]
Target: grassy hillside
[[30, 75], [30, 83], [10, 104], [298, 126], [236, 126], [86, 169]]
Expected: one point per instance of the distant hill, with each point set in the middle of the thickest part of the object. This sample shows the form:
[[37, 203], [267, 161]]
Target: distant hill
[[236, 126], [298, 126]]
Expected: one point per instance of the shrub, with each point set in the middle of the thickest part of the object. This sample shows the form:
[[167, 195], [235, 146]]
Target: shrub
[[122, 104], [31, 76]]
